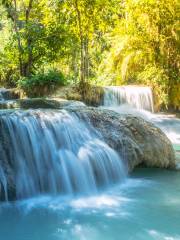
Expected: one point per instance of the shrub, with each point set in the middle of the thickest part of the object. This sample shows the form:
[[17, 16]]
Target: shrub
[[41, 84], [8, 76]]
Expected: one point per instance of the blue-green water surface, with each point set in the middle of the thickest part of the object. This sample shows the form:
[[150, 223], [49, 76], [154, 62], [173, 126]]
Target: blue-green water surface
[[145, 207]]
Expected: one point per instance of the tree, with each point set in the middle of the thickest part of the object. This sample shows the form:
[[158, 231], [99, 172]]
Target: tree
[[145, 43], [36, 38], [89, 22]]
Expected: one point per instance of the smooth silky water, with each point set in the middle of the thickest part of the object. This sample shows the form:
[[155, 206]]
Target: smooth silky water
[[142, 206], [136, 97], [138, 101], [55, 152], [145, 207]]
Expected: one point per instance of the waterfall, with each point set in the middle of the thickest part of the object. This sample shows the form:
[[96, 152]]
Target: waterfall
[[58, 153], [1, 93], [137, 97], [3, 186]]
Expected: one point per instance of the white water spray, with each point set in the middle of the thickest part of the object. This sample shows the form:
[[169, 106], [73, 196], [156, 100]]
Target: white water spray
[[56, 152], [134, 96], [2, 90]]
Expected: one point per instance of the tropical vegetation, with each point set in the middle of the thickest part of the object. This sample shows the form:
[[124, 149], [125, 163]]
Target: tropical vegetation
[[98, 42]]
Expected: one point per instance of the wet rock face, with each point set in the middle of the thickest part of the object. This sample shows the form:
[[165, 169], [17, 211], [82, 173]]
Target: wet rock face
[[46, 103], [35, 103], [93, 96], [6, 168], [9, 94], [136, 140]]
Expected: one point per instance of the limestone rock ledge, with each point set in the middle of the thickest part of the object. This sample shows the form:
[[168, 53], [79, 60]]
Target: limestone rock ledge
[[137, 141]]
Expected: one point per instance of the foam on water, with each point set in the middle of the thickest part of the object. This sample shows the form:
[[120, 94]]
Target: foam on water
[[56, 152], [137, 209], [134, 96], [169, 125], [2, 90]]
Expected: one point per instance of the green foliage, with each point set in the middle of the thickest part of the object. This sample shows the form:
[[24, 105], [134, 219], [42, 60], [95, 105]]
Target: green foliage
[[101, 42], [145, 47], [41, 83], [36, 37], [158, 79], [9, 73], [9, 76]]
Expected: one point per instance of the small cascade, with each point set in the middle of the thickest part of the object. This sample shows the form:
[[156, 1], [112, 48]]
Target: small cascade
[[137, 97], [2, 90], [56, 152], [3, 184], [8, 94], [8, 98]]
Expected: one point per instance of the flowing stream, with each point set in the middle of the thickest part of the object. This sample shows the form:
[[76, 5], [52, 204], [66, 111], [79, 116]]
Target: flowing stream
[[138, 101], [55, 152], [7, 98], [145, 207], [137, 97], [95, 200], [2, 90]]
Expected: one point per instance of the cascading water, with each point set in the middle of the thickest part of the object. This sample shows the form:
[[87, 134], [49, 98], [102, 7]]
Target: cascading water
[[59, 152], [1, 93], [56, 152], [137, 97], [8, 98], [138, 101]]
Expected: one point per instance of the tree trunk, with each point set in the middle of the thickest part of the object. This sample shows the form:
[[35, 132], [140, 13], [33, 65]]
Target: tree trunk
[[87, 58], [29, 41], [82, 48], [13, 15], [25, 65], [82, 72]]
